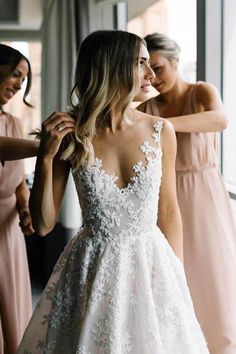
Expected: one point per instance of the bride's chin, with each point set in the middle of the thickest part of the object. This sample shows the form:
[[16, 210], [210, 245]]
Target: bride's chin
[[140, 97]]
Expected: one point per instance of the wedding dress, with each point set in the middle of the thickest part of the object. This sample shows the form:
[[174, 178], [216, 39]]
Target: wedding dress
[[118, 287]]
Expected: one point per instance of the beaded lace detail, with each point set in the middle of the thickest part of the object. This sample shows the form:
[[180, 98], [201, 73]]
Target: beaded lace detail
[[117, 288]]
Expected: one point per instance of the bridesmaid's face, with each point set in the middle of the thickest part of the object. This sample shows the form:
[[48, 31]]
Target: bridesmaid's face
[[14, 82], [166, 71]]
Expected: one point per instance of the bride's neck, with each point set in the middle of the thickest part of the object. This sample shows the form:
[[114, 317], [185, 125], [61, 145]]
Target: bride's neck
[[116, 120]]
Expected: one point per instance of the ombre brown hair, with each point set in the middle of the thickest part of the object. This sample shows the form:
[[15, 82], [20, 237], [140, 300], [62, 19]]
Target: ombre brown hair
[[106, 73], [9, 59]]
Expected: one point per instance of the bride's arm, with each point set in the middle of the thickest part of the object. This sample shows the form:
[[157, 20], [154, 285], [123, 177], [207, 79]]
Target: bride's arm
[[169, 219], [212, 117], [51, 174]]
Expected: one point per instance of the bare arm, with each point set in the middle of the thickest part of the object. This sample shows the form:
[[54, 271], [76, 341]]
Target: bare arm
[[17, 148], [169, 219], [50, 174], [22, 196], [211, 118]]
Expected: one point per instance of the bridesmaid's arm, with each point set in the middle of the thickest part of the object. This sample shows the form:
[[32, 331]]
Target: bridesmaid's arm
[[22, 197], [17, 148], [212, 117], [169, 219]]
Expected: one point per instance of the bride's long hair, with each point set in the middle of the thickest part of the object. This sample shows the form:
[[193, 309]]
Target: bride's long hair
[[107, 67]]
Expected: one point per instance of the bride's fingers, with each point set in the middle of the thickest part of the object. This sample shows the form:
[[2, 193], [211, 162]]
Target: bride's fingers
[[56, 119], [61, 121], [64, 125], [51, 142], [63, 132], [54, 129], [53, 118]]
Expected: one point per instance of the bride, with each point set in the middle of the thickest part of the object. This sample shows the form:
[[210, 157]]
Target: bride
[[119, 287]]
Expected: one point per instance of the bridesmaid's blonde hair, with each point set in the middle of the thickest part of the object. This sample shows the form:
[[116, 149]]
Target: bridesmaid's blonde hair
[[106, 71], [163, 45]]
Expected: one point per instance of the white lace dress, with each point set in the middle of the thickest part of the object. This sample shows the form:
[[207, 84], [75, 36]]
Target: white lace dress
[[118, 288]]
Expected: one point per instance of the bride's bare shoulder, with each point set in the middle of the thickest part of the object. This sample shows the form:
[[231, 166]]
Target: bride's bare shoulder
[[147, 119], [148, 123]]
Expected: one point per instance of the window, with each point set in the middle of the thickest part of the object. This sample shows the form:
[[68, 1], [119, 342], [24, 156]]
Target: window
[[177, 19], [169, 17]]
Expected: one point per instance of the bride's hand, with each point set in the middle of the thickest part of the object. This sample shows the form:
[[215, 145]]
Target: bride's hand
[[54, 129]]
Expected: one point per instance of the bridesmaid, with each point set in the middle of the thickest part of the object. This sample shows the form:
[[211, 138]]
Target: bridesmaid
[[196, 112], [15, 292]]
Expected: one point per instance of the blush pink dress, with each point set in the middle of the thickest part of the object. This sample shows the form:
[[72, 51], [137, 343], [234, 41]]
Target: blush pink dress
[[15, 291], [209, 233]]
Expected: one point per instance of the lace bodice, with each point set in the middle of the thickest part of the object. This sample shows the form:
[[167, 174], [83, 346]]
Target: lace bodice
[[109, 212]]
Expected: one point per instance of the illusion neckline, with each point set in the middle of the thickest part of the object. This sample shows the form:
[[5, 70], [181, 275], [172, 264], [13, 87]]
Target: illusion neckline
[[114, 178], [138, 167]]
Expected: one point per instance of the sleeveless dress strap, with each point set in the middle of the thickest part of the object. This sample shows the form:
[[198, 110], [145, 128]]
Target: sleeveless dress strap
[[193, 93]]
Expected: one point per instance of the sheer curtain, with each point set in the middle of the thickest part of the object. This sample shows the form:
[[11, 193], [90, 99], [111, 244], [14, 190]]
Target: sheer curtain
[[60, 35]]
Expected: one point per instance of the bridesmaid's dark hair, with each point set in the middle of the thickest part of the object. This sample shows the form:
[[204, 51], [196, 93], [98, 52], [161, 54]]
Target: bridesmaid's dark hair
[[9, 59]]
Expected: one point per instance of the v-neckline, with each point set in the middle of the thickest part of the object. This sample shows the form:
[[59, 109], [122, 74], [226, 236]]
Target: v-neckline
[[113, 177], [140, 166]]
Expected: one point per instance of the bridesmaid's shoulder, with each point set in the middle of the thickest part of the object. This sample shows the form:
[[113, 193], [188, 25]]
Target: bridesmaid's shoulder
[[205, 90], [17, 121]]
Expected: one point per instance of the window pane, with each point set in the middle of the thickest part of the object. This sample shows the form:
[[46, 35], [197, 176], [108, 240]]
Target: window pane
[[177, 19]]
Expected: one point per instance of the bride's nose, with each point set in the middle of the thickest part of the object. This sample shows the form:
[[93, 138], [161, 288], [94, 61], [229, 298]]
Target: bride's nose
[[150, 75]]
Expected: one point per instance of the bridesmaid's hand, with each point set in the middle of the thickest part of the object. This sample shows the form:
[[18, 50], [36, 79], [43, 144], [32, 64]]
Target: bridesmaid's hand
[[54, 129], [26, 222]]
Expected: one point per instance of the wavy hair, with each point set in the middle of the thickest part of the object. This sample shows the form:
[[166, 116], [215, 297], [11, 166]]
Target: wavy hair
[[159, 42], [106, 73], [9, 59]]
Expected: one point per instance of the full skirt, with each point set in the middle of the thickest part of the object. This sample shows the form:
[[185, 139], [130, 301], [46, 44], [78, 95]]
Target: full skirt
[[117, 297]]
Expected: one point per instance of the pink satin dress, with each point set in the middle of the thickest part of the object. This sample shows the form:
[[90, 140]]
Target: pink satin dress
[[15, 291]]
